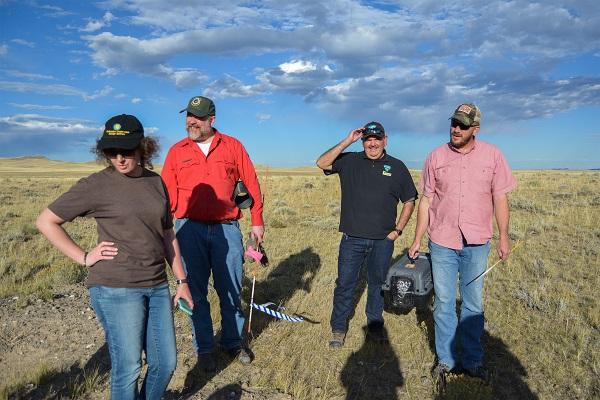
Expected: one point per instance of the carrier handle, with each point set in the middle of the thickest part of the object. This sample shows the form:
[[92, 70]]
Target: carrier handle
[[412, 262]]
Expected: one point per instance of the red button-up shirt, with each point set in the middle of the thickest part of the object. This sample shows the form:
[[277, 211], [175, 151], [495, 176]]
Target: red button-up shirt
[[201, 186], [460, 189]]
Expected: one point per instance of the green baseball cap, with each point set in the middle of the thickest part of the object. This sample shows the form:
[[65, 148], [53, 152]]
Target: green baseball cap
[[468, 114], [200, 106]]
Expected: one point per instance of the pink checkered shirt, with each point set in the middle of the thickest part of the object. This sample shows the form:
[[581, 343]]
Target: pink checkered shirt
[[460, 189]]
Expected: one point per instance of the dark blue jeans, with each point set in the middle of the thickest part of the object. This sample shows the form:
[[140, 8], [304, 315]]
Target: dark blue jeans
[[354, 252], [215, 249]]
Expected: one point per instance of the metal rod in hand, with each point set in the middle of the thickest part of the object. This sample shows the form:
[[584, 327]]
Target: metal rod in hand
[[484, 273], [252, 297]]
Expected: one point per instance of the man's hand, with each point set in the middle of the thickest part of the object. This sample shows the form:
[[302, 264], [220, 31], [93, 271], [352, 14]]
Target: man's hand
[[503, 248], [413, 251], [355, 134], [258, 231]]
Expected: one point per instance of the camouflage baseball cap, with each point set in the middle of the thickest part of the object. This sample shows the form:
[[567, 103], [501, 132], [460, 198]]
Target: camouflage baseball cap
[[200, 106], [468, 114]]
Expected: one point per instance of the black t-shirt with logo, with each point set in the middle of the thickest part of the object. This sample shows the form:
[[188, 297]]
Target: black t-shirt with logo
[[371, 191]]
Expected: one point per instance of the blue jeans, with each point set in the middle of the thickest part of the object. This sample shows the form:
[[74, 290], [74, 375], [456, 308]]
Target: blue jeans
[[354, 251], [136, 319], [448, 267], [215, 248]]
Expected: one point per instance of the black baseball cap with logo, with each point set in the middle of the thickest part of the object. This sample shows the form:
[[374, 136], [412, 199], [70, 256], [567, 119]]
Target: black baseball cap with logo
[[121, 132], [373, 129]]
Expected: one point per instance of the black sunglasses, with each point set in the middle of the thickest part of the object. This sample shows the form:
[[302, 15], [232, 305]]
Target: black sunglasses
[[113, 153], [371, 132], [454, 123]]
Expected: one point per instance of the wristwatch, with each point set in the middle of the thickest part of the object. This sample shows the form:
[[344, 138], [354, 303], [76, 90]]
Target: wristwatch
[[398, 231], [180, 281]]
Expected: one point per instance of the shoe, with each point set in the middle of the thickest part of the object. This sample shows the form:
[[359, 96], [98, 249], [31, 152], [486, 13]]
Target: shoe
[[337, 340], [438, 374], [478, 372], [439, 370], [207, 362], [377, 333], [243, 355]]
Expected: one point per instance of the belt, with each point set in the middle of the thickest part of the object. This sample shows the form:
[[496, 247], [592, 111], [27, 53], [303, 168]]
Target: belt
[[218, 222]]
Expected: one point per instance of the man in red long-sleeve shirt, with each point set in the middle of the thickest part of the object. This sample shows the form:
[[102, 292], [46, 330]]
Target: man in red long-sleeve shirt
[[200, 173]]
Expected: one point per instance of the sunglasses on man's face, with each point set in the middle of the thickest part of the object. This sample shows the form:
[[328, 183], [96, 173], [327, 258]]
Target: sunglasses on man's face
[[456, 123], [126, 153]]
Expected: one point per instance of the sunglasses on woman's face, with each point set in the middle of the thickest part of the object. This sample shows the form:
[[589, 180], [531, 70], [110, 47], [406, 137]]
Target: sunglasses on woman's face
[[126, 153]]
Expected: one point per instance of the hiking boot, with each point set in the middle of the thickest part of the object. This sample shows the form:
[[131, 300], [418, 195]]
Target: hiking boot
[[377, 333], [337, 340], [207, 362], [479, 372], [243, 355], [438, 374]]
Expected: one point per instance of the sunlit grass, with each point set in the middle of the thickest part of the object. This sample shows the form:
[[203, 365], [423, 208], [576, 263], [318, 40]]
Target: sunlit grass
[[542, 313]]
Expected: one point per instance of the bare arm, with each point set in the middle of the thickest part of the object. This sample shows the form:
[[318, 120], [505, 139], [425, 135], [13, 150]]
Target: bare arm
[[407, 210], [173, 257], [502, 217], [50, 225], [422, 223], [326, 160]]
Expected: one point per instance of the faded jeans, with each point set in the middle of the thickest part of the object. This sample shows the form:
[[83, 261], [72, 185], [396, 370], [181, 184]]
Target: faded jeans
[[450, 266], [136, 319]]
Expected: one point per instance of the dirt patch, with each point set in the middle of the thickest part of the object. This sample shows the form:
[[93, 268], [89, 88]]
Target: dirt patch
[[56, 349]]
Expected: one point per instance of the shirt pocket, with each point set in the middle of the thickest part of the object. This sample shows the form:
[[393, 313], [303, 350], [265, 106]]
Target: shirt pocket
[[189, 172], [484, 176], [442, 178], [226, 170]]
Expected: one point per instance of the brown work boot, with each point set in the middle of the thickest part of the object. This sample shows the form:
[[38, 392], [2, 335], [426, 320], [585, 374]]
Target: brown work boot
[[337, 340]]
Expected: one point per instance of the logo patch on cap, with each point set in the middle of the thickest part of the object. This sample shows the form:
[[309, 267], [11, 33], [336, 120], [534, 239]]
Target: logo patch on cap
[[196, 101], [117, 127], [465, 109]]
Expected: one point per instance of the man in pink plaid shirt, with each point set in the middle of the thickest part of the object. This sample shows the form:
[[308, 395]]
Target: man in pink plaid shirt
[[464, 183]]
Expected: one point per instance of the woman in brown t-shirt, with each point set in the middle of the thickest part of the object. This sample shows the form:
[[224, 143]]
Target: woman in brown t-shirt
[[126, 278]]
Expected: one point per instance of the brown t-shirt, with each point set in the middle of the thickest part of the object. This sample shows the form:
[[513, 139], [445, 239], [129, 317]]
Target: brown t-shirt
[[132, 213]]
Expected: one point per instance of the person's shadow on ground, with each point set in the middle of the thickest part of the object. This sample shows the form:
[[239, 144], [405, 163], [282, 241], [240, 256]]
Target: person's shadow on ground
[[506, 371], [66, 383], [292, 274], [372, 372]]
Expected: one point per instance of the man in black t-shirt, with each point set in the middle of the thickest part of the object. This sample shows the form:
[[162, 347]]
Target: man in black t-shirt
[[372, 184]]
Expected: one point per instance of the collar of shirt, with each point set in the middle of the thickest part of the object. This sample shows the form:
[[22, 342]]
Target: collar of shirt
[[217, 137], [382, 158], [454, 149]]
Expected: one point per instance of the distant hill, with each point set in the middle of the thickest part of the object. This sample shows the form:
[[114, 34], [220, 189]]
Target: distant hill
[[43, 166]]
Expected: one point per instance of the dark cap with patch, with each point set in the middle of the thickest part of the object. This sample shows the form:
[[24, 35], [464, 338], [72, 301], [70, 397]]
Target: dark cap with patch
[[468, 114], [373, 129], [200, 106], [121, 132]]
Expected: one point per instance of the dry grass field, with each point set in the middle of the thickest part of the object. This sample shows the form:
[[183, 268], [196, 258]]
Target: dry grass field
[[542, 333]]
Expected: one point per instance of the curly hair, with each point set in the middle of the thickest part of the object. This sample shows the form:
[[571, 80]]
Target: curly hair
[[148, 148]]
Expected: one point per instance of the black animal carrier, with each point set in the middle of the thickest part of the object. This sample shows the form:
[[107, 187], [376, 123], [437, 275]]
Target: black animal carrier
[[409, 284]]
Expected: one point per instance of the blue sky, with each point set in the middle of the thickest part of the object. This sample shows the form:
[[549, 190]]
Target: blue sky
[[291, 78]]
